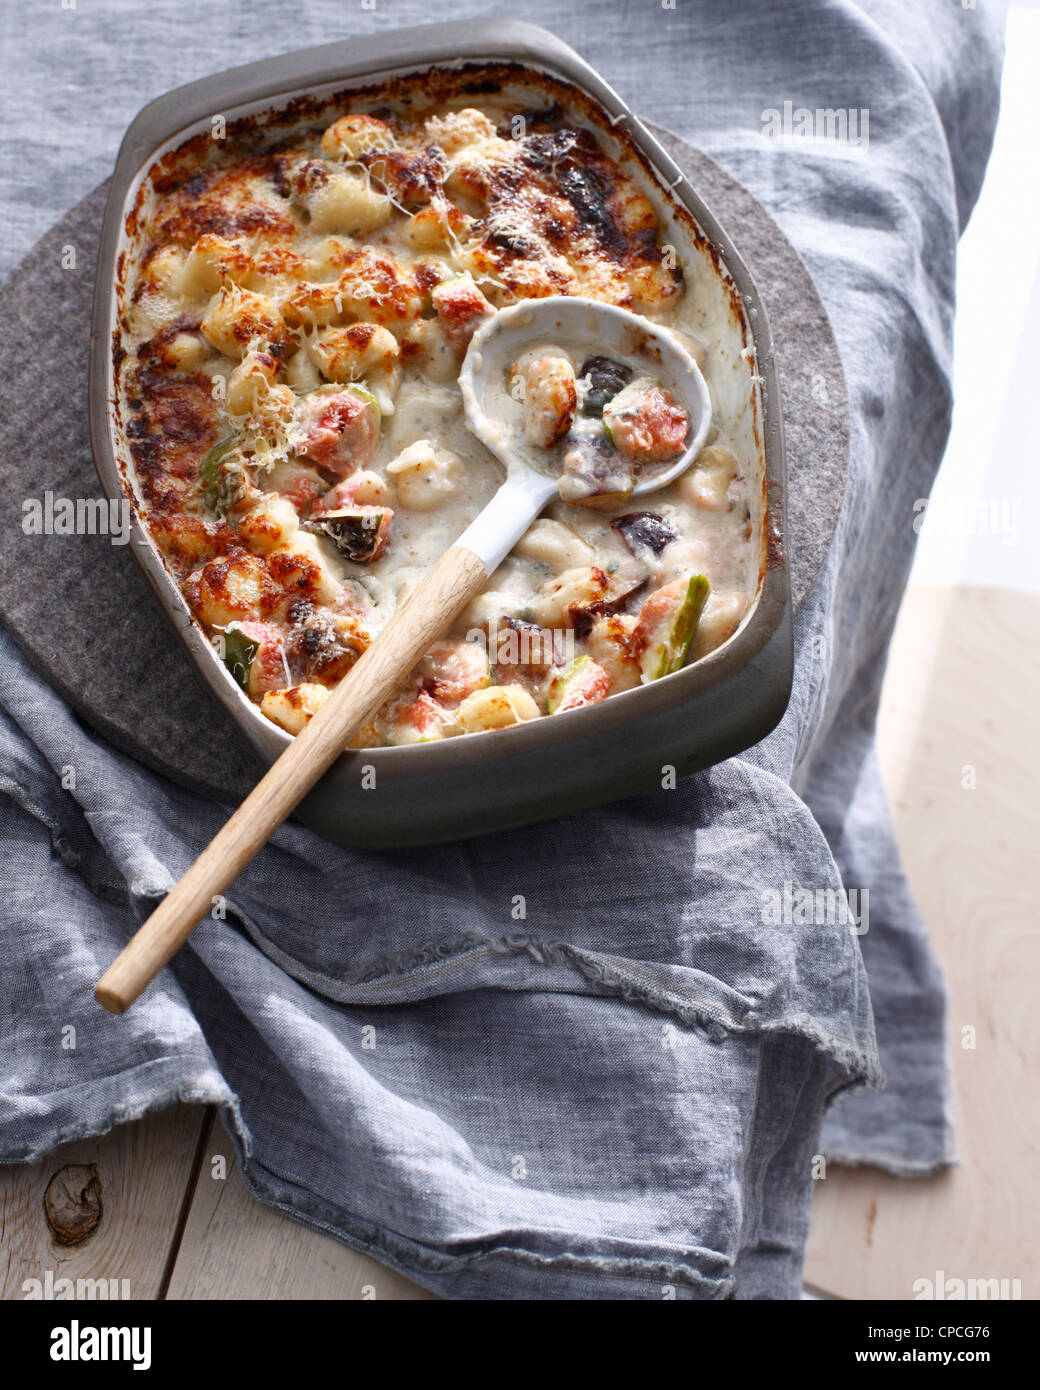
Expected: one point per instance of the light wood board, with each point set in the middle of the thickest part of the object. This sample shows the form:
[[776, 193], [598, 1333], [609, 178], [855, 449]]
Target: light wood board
[[122, 1195], [234, 1247], [959, 706]]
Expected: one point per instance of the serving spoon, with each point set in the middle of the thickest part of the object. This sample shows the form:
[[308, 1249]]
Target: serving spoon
[[431, 607]]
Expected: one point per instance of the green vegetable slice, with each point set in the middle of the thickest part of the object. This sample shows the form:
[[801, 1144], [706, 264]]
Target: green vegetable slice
[[239, 651], [215, 483], [667, 624]]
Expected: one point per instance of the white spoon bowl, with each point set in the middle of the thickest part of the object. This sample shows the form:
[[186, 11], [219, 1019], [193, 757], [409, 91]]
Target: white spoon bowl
[[585, 327]]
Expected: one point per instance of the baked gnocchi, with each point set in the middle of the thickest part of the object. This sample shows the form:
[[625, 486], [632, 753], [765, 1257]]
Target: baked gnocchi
[[296, 317]]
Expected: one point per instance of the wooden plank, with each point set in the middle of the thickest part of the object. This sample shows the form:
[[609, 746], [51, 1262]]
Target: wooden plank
[[960, 751], [235, 1247], [100, 1209]]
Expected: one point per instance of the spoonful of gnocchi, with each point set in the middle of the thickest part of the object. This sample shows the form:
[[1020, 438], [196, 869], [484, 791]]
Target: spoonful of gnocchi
[[627, 421], [581, 402]]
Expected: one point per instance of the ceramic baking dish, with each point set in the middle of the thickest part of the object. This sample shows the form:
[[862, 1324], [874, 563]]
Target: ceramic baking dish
[[488, 781]]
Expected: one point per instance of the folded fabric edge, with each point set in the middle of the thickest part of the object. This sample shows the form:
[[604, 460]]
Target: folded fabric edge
[[431, 1269], [898, 1167], [206, 1087], [716, 1018]]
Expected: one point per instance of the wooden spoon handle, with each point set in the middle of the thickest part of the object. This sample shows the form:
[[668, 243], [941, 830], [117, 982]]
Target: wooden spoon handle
[[430, 608]]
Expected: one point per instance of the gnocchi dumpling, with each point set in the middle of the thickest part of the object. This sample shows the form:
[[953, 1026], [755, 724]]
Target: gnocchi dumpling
[[719, 620], [300, 565], [706, 484], [312, 304], [250, 381], [376, 289], [238, 318], [550, 400], [425, 478], [293, 709], [327, 258], [347, 203], [269, 523], [213, 260], [183, 352], [557, 600], [488, 609], [496, 707], [361, 352], [354, 135], [233, 587], [438, 358], [555, 545], [436, 226], [160, 291], [301, 373], [164, 270], [607, 644], [454, 131]]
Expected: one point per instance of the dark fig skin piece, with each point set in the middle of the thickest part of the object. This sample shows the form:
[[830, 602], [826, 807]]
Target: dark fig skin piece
[[606, 379], [621, 586], [526, 654], [643, 531], [359, 533]]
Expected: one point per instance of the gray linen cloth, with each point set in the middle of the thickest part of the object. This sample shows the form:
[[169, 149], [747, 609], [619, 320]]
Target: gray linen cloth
[[621, 1095]]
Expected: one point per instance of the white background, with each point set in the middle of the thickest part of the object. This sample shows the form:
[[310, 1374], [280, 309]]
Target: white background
[[993, 457]]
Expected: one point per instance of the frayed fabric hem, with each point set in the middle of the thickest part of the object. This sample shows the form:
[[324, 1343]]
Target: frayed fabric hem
[[897, 1167], [206, 1089]]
